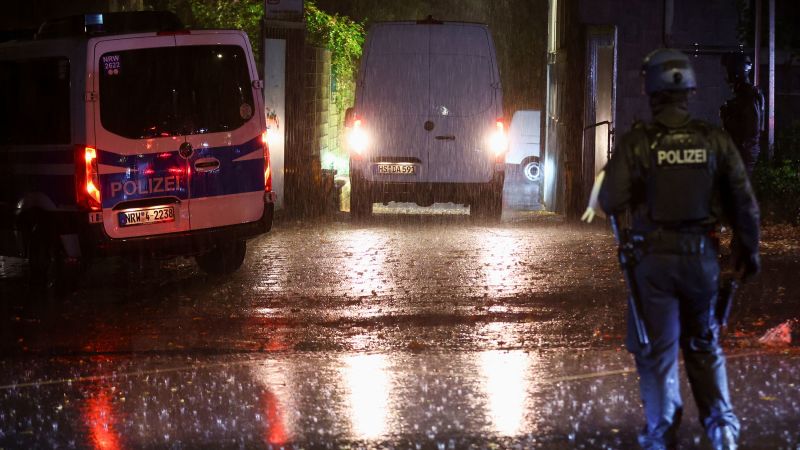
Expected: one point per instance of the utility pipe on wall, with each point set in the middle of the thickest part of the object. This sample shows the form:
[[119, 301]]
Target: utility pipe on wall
[[757, 46], [771, 114], [669, 14]]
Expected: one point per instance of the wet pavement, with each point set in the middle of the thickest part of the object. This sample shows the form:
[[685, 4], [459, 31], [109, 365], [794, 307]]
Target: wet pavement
[[413, 330]]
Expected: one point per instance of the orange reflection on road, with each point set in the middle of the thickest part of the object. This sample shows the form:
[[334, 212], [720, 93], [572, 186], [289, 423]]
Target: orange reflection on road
[[99, 417], [276, 430]]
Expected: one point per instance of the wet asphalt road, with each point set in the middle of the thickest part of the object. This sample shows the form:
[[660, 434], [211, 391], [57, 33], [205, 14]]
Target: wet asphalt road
[[408, 331]]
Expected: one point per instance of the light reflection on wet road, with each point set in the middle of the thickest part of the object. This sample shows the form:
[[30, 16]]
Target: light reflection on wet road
[[403, 332], [514, 399]]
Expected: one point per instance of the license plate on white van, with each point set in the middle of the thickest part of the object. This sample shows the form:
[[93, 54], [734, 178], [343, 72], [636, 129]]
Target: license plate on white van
[[147, 216], [397, 169]]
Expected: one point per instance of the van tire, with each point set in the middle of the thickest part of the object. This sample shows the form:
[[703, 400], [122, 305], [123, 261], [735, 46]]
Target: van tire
[[49, 270], [531, 170], [360, 203], [226, 258]]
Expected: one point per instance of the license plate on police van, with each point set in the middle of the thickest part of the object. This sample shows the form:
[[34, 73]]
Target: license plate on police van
[[397, 169], [147, 216]]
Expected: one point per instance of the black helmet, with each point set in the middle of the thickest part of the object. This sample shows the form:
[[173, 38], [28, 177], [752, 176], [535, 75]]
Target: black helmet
[[738, 67], [667, 69]]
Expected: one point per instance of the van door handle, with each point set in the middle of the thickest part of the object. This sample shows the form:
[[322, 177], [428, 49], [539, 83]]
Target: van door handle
[[448, 137], [206, 164]]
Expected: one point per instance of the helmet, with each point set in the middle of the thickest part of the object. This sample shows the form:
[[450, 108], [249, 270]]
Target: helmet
[[667, 69], [738, 67]]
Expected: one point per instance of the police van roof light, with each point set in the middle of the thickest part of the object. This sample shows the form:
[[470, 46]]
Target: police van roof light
[[93, 23]]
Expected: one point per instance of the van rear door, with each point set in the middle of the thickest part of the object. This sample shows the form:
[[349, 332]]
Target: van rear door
[[394, 98], [224, 126], [138, 128], [464, 98]]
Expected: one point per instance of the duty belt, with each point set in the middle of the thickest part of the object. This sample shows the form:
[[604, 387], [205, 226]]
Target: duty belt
[[677, 242]]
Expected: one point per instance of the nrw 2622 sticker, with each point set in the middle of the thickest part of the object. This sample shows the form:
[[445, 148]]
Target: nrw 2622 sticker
[[111, 64]]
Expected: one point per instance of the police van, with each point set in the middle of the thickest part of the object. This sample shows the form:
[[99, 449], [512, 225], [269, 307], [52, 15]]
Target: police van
[[125, 133], [427, 125]]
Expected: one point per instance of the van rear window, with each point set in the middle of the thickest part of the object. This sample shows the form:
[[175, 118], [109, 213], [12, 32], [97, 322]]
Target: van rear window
[[35, 101], [461, 84], [170, 91], [398, 88]]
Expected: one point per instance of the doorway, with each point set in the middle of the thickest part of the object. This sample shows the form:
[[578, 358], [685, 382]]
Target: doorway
[[600, 100]]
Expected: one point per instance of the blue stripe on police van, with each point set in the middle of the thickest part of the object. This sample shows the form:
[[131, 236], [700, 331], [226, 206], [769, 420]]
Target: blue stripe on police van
[[238, 173], [63, 155], [59, 188], [135, 177]]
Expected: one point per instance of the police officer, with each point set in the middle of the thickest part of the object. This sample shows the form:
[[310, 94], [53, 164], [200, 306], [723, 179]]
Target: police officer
[[678, 177], [743, 114]]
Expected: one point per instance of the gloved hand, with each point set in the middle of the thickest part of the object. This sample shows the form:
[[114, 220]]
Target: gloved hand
[[749, 265], [594, 209]]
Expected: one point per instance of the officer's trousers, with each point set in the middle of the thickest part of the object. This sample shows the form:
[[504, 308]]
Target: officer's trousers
[[678, 294]]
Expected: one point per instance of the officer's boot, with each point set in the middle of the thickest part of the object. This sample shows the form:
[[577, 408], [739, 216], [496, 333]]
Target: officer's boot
[[723, 438]]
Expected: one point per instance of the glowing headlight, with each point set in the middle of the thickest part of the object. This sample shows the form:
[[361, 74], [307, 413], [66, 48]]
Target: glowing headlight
[[357, 138], [498, 141]]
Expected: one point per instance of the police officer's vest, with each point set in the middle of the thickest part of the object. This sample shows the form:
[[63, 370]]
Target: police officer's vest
[[679, 174]]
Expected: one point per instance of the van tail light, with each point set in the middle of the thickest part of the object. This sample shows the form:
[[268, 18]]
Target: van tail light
[[498, 140], [267, 168], [357, 138], [87, 179]]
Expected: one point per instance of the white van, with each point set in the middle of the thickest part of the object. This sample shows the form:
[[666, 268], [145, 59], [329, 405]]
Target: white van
[[427, 123], [524, 144], [124, 133]]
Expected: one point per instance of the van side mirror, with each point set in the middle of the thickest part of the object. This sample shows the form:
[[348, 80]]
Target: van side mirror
[[349, 116]]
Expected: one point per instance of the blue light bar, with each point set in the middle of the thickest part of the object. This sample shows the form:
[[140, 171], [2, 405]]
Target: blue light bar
[[93, 23]]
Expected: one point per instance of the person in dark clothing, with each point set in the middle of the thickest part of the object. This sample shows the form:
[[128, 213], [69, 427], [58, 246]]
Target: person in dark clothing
[[679, 177], [743, 114]]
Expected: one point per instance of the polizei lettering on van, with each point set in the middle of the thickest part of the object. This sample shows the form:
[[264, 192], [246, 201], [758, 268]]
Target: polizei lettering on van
[[152, 185], [684, 156]]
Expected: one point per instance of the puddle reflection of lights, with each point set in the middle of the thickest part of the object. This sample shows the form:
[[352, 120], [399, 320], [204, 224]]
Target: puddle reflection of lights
[[505, 375], [365, 264], [497, 259], [368, 388], [99, 417]]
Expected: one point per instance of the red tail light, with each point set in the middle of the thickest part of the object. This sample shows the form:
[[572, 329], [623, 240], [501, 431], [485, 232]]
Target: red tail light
[[267, 168], [87, 179], [498, 140]]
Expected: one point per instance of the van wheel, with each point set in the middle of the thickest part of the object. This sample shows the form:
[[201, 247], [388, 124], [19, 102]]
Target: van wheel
[[531, 170], [225, 259], [488, 206], [360, 203], [50, 271]]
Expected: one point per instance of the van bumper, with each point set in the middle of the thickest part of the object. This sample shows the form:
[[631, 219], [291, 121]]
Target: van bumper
[[426, 193], [186, 243]]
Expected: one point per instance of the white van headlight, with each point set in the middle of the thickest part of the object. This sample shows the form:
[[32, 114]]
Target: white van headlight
[[498, 140]]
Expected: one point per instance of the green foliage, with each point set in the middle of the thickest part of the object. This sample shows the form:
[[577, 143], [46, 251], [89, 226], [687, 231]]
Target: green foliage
[[242, 15], [777, 184], [344, 38]]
